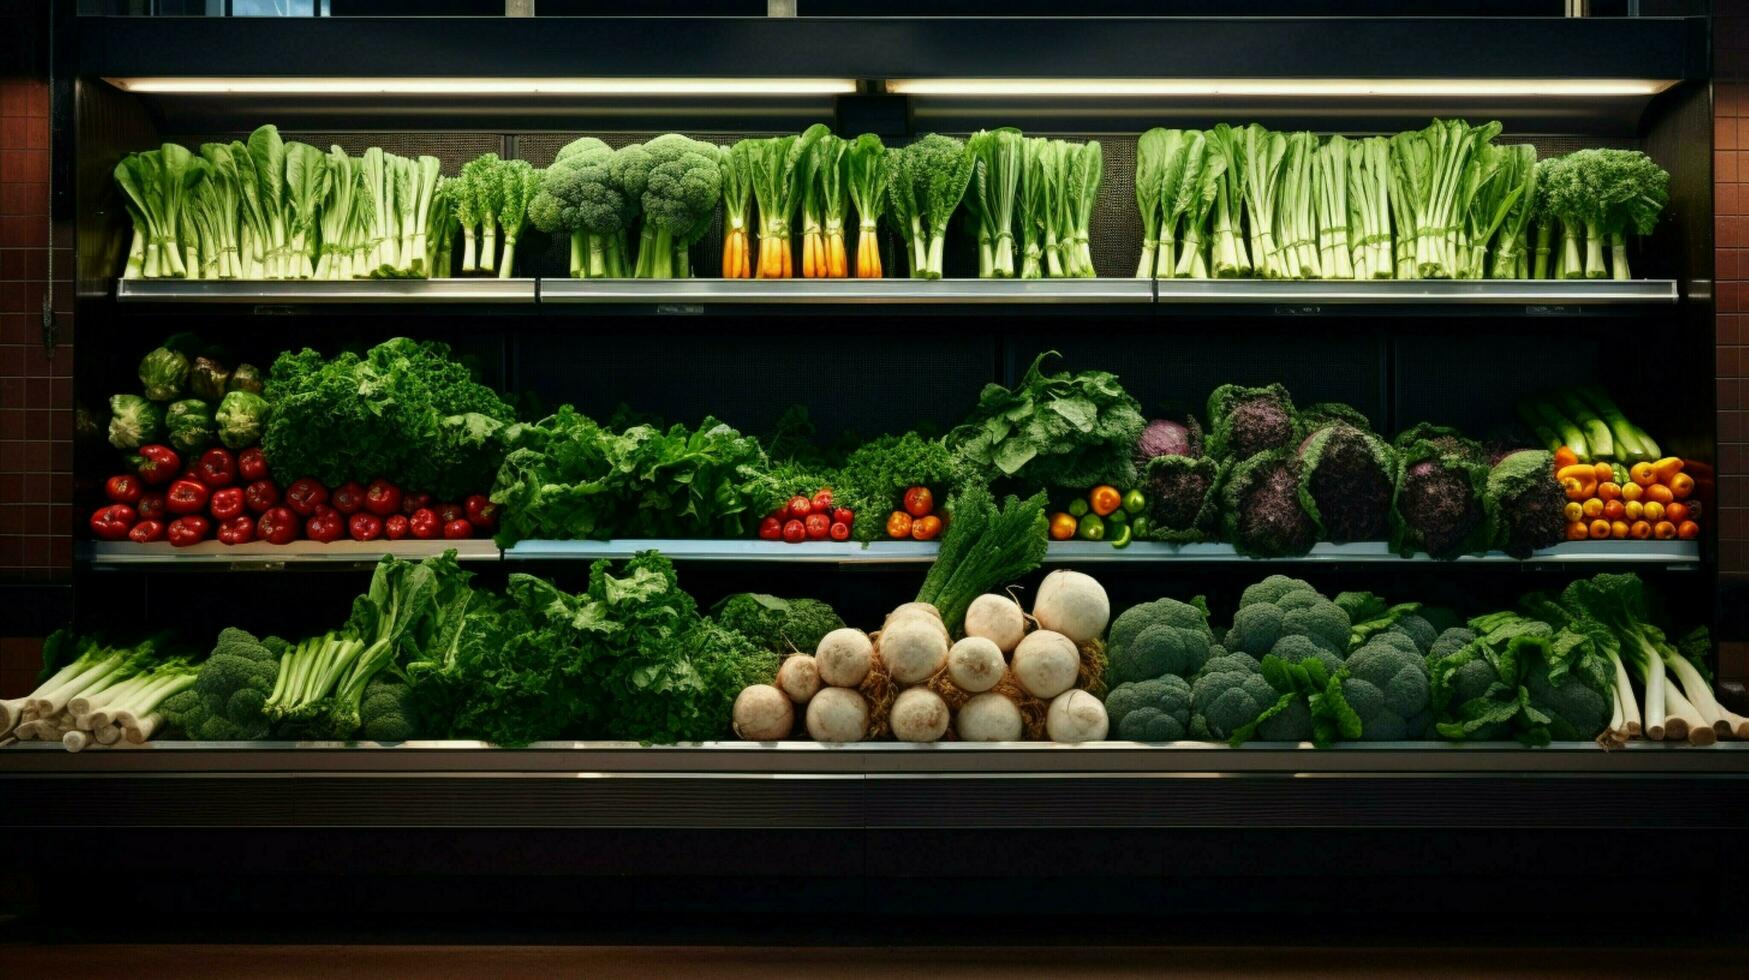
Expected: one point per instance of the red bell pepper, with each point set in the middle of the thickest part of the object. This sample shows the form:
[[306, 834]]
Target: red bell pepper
[[152, 507], [186, 497], [225, 504], [188, 529], [365, 527], [411, 502], [277, 526], [238, 530], [456, 529], [326, 525], [156, 464], [450, 512], [252, 464], [382, 498], [261, 496], [123, 489], [482, 512], [424, 523], [304, 496], [217, 468], [147, 532], [347, 498], [396, 527], [113, 522]]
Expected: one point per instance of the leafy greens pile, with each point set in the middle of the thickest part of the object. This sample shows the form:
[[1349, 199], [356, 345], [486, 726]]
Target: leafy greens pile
[[1054, 430]]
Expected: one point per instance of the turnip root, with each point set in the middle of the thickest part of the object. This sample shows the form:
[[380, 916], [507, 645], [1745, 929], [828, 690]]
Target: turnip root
[[799, 677], [763, 714], [913, 648], [1076, 716], [843, 657], [1073, 604], [997, 618], [1046, 663], [837, 714], [975, 664], [919, 715], [988, 717], [914, 608]]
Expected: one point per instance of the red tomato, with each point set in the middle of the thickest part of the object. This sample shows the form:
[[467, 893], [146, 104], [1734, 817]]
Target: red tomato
[[794, 531], [347, 498], [304, 496], [424, 523], [238, 530], [186, 497], [123, 489], [818, 526], [146, 532], [457, 529], [448, 512], [277, 526], [252, 464], [112, 523], [822, 501], [771, 529], [261, 496], [919, 501], [800, 506], [226, 504], [188, 529], [327, 525], [396, 526], [152, 507], [365, 527], [382, 498], [840, 531], [843, 515]]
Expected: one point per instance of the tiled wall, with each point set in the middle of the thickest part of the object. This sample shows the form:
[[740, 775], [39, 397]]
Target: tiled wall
[[36, 384], [1731, 261]]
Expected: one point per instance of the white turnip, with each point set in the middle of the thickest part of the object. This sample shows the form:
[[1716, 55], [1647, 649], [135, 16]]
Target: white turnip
[[919, 715], [912, 608], [1076, 716], [763, 714], [988, 717], [837, 714], [1046, 663], [997, 618], [1073, 604], [799, 677], [843, 657], [913, 649], [975, 664]]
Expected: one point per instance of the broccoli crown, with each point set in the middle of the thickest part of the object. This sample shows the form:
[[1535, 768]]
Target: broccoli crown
[[778, 624], [1281, 607], [1298, 647], [684, 183], [579, 193], [1157, 638], [1524, 503], [1575, 710], [1154, 710], [1388, 687], [1419, 631], [1246, 421], [224, 705], [387, 712], [1450, 642]]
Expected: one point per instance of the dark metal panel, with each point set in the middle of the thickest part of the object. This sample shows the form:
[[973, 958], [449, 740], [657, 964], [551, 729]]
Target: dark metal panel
[[889, 47]]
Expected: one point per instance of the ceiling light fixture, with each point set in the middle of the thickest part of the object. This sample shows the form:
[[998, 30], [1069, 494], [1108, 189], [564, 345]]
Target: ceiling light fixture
[[190, 85], [1321, 88]]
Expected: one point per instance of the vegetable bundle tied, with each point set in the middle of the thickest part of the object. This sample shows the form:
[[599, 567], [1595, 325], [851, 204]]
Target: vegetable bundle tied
[[1431, 168], [823, 206], [930, 178], [868, 170], [782, 168], [997, 161]]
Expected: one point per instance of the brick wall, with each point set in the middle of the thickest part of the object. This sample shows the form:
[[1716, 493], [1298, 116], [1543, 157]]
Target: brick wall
[[1731, 267], [36, 384]]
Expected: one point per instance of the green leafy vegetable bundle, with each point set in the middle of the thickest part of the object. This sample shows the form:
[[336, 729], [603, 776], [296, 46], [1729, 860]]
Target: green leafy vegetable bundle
[[1053, 430], [404, 409]]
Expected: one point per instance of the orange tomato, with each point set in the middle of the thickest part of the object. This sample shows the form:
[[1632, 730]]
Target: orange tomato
[[1609, 490], [1618, 530], [1663, 530], [1660, 493], [898, 524], [1599, 530], [919, 501], [1681, 485], [1615, 510], [1574, 511], [1688, 530], [1632, 491], [1062, 526], [1104, 500], [1641, 530], [1652, 511], [1676, 512], [926, 528], [1565, 456], [1592, 508], [1643, 474], [1577, 531]]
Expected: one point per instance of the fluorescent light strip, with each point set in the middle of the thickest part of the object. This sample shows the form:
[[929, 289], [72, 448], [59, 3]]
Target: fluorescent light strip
[[189, 85], [1281, 87]]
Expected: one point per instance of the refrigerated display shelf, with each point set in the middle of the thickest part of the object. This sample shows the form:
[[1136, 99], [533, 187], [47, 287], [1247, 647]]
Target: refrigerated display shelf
[[1267, 297], [260, 555]]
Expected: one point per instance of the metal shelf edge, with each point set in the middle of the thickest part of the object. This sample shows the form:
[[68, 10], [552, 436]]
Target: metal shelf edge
[[112, 554], [300, 292]]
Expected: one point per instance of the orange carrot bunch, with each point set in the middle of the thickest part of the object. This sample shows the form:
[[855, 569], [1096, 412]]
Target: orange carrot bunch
[[867, 170], [737, 164], [782, 170]]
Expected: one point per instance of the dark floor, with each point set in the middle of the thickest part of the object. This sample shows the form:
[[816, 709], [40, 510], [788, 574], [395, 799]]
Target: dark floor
[[755, 963]]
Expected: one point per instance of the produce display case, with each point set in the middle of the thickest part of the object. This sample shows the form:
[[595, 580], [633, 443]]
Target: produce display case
[[907, 353]]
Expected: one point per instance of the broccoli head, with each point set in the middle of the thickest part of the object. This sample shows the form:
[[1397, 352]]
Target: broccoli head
[[1158, 638], [1346, 478], [387, 712], [678, 181], [1247, 421], [1451, 641], [233, 685], [1469, 698], [1231, 693], [1388, 687], [777, 624], [1261, 512], [1419, 631], [1280, 607], [1438, 507], [1154, 710], [1524, 504]]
